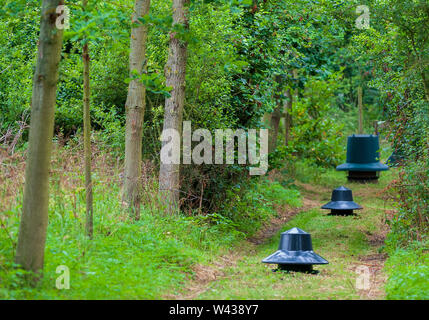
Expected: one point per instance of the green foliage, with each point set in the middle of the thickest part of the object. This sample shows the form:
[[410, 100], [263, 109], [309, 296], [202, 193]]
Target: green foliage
[[399, 50], [397, 47], [249, 207], [408, 271], [240, 61], [241, 58], [316, 136], [17, 55], [152, 82], [412, 220]]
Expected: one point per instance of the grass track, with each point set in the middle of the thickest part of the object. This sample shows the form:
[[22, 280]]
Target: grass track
[[346, 242]]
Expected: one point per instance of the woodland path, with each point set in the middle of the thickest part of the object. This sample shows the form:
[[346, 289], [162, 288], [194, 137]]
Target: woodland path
[[348, 243]]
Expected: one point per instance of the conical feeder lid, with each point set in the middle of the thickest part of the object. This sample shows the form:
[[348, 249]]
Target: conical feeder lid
[[342, 199], [295, 248]]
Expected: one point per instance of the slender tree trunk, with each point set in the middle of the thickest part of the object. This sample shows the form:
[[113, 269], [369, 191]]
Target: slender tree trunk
[[34, 219], [274, 129], [175, 71], [266, 119], [360, 110], [288, 115], [275, 118], [135, 107], [295, 76], [87, 136]]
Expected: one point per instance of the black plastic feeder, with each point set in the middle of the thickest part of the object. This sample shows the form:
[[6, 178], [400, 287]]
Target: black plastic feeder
[[295, 252], [342, 202], [363, 157]]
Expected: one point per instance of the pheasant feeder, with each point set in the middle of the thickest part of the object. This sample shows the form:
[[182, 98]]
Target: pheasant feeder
[[295, 252], [342, 203], [363, 156]]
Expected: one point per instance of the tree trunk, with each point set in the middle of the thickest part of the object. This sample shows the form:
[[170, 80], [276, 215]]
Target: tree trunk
[[135, 107], [87, 136], [34, 219], [175, 71], [266, 120], [275, 118], [288, 115], [295, 76], [274, 129]]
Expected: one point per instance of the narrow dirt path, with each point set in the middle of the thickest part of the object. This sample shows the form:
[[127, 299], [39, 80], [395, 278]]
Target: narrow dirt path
[[350, 244]]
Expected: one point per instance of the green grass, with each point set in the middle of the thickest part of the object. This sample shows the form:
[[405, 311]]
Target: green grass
[[156, 255], [343, 241], [340, 240], [408, 271], [126, 259]]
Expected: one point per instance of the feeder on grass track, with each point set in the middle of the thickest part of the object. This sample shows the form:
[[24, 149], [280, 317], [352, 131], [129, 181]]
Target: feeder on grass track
[[295, 252], [363, 162], [342, 202]]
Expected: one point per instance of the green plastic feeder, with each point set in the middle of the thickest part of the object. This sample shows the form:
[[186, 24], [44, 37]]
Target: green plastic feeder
[[363, 158]]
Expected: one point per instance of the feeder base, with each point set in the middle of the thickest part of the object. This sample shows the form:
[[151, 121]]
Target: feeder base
[[363, 176], [296, 267], [341, 213]]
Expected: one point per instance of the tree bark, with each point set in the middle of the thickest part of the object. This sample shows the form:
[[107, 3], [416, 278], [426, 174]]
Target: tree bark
[[175, 71], [34, 219], [288, 115], [135, 107], [275, 118], [87, 136], [274, 129]]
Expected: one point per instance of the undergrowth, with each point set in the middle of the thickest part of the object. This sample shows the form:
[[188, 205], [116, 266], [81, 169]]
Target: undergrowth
[[408, 271]]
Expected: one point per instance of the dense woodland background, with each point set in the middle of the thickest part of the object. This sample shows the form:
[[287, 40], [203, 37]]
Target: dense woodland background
[[294, 67]]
